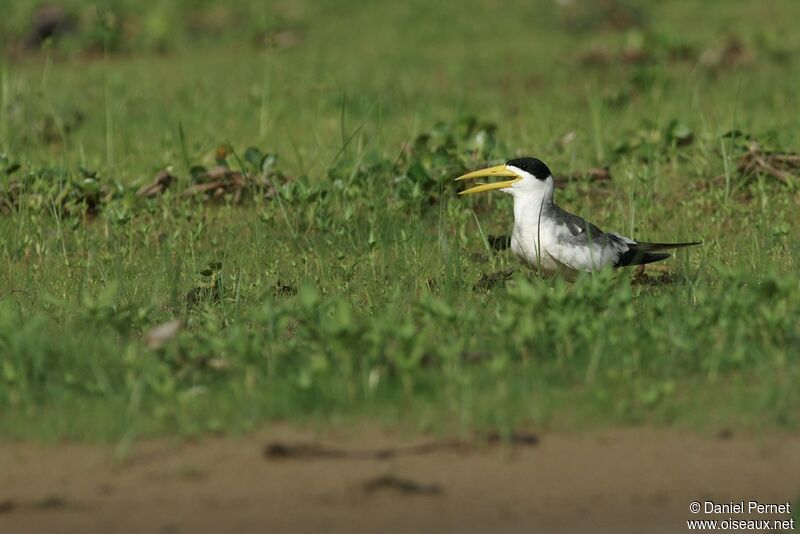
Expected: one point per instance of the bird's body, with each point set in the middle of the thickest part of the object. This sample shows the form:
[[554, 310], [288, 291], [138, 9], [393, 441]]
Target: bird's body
[[549, 238], [546, 238]]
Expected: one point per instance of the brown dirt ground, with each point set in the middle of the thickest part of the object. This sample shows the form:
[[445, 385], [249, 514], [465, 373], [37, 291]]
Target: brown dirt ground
[[624, 480]]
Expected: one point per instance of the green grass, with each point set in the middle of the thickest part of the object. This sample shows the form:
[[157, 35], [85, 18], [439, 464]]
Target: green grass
[[350, 293]]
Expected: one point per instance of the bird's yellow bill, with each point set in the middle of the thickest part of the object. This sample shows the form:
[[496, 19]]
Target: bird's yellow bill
[[497, 170]]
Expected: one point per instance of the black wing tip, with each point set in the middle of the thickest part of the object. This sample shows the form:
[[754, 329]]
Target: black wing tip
[[644, 252], [646, 246], [637, 257]]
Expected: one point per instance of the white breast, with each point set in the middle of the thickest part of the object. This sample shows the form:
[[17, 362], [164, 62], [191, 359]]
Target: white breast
[[525, 243]]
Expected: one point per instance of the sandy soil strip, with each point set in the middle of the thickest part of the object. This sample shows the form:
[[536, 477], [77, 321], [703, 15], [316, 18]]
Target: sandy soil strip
[[628, 480]]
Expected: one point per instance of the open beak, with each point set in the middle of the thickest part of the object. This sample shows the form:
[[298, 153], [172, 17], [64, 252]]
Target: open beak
[[497, 170]]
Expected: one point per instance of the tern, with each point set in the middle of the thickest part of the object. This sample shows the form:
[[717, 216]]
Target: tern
[[550, 238]]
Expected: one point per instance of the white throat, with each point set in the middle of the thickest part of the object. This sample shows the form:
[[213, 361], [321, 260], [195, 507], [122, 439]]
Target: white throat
[[531, 197]]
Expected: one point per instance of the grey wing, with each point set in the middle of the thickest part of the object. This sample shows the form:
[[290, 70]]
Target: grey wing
[[582, 245], [580, 232]]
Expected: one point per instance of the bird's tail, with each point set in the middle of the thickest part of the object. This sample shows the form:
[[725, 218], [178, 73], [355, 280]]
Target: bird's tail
[[656, 247], [643, 252]]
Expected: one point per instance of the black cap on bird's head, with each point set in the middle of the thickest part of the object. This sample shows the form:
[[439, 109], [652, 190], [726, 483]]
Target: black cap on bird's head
[[533, 166], [518, 169]]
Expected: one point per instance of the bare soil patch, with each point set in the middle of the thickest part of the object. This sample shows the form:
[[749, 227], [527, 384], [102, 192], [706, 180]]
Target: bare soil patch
[[624, 480]]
